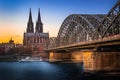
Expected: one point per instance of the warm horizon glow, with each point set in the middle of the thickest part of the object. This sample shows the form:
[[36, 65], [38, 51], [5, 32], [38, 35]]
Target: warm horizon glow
[[7, 34], [14, 14]]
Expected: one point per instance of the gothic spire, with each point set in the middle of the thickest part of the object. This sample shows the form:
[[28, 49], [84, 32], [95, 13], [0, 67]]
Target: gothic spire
[[39, 25], [39, 16], [30, 16], [30, 28]]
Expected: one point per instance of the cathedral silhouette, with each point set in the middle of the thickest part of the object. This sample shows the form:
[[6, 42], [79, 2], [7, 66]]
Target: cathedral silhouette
[[36, 40]]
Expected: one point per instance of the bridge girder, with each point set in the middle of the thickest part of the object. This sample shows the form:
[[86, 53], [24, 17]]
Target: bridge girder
[[86, 27], [52, 42], [77, 28], [111, 22]]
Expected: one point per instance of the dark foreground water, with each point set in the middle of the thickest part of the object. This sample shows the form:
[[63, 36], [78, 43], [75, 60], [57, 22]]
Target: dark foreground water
[[44, 71]]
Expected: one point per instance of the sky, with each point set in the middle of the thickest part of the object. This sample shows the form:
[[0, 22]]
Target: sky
[[14, 14]]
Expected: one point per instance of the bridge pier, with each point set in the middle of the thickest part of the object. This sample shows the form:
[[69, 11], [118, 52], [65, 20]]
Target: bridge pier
[[88, 60], [92, 60], [101, 61], [76, 56], [58, 56]]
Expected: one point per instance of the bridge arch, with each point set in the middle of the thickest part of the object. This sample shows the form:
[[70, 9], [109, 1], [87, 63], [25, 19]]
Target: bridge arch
[[86, 27], [52, 42], [77, 28], [111, 23]]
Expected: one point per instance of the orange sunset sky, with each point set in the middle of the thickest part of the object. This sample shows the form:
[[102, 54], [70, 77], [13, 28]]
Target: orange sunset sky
[[14, 14]]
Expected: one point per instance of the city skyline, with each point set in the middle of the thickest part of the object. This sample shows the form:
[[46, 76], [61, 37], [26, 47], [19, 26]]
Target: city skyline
[[14, 14]]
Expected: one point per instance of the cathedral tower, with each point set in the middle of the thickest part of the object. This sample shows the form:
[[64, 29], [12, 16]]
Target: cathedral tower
[[30, 28], [36, 40], [39, 25]]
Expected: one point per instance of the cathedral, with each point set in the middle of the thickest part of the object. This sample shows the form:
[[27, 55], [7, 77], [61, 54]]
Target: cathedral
[[35, 39]]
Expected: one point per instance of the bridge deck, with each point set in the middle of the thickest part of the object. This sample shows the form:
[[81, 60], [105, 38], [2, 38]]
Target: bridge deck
[[107, 41]]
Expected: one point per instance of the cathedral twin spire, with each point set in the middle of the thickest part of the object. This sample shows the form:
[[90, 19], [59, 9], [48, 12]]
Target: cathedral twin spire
[[39, 25]]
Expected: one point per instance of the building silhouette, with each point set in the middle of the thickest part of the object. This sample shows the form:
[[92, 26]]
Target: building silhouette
[[35, 39]]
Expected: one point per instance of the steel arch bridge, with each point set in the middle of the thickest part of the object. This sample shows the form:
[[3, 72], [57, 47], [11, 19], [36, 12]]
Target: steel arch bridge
[[87, 27]]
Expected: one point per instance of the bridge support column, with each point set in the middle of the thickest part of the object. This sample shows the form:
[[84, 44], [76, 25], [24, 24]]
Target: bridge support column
[[101, 61], [88, 60], [76, 56], [107, 61], [59, 56]]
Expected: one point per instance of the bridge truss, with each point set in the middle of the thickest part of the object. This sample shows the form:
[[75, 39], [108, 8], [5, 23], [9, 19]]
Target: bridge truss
[[87, 27]]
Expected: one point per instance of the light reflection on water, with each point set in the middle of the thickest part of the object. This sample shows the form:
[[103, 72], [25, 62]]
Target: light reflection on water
[[47, 71], [40, 71]]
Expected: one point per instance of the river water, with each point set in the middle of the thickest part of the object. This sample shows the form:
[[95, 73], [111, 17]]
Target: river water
[[42, 71]]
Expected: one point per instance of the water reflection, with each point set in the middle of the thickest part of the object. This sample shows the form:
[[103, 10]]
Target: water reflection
[[44, 71]]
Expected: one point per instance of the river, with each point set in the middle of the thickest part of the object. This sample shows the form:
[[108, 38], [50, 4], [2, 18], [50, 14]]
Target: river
[[43, 71]]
